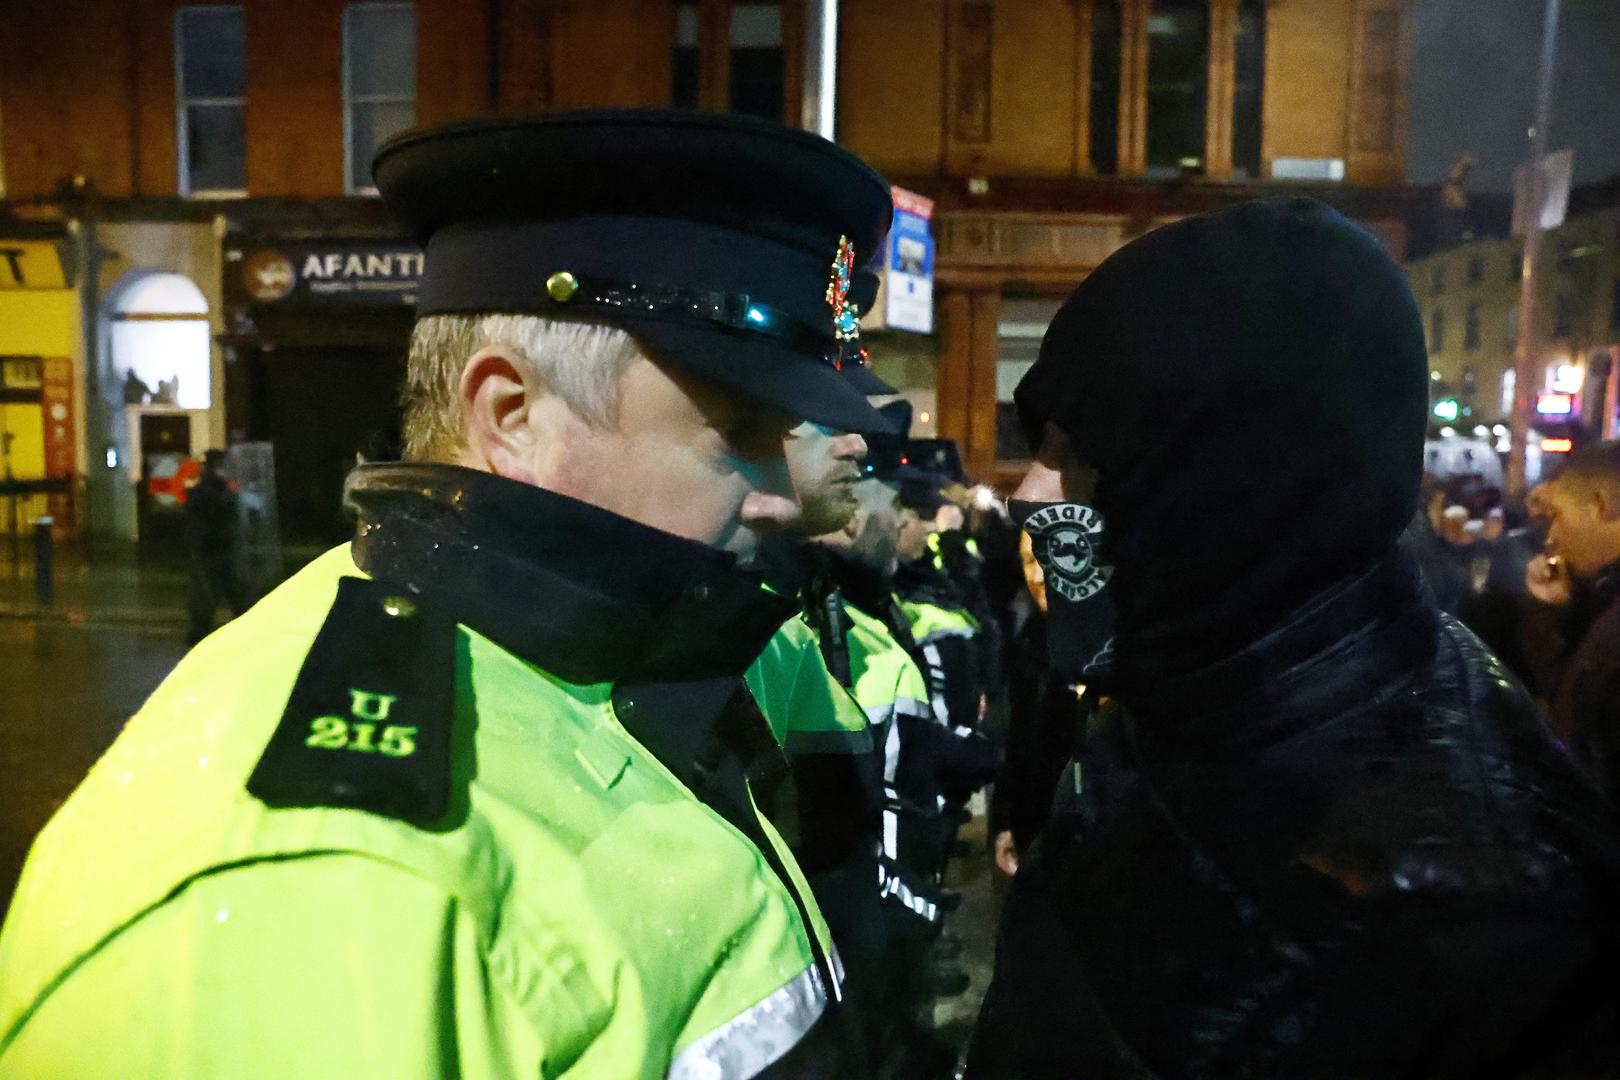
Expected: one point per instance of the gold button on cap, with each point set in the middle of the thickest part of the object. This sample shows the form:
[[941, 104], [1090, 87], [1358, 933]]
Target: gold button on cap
[[562, 286]]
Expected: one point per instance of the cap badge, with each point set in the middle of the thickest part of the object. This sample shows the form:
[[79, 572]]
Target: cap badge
[[846, 320]]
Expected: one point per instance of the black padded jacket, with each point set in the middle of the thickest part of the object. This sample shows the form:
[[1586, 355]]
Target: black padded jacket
[[1350, 850]]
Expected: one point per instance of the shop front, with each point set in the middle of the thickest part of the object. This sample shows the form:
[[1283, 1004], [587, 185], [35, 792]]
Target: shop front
[[41, 460], [316, 339]]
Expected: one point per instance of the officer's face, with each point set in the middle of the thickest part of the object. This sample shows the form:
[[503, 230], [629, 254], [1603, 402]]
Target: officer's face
[[870, 532], [913, 533], [693, 458], [824, 465], [683, 454]]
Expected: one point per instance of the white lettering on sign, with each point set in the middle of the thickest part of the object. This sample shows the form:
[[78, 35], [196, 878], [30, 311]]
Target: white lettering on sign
[[336, 265]]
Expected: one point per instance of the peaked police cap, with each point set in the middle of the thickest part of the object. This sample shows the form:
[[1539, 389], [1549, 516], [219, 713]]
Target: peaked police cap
[[726, 245]]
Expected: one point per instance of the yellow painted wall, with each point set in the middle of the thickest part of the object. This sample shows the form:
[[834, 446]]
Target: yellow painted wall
[[38, 322], [891, 83], [1032, 89], [25, 423]]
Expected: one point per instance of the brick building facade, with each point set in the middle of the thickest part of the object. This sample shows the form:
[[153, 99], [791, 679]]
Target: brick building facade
[[1047, 132]]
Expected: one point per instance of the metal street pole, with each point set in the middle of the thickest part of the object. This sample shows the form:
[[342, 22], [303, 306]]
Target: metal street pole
[[1527, 365], [819, 103]]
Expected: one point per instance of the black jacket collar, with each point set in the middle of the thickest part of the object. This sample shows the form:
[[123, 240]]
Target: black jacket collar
[[582, 593], [1350, 644]]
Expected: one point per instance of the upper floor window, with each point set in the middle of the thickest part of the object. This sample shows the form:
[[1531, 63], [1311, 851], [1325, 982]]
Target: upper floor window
[[210, 61], [1564, 316], [1476, 269], [1178, 85], [729, 57], [379, 84], [757, 78], [1437, 330], [1104, 129], [1437, 279], [1248, 80], [1471, 327]]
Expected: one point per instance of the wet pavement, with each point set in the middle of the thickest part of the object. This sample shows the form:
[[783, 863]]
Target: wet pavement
[[66, 689]]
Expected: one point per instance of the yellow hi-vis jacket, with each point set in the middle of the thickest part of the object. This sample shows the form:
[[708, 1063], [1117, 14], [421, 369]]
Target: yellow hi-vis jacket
[[587, 917], [808, 711]]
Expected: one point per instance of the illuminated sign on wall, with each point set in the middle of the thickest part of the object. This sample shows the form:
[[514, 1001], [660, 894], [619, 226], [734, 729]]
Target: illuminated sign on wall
[[1555, 404]]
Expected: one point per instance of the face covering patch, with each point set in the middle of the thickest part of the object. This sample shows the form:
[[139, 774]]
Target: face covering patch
[[1068, 543]]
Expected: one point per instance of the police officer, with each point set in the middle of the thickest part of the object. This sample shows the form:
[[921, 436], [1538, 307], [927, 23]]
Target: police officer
[[471, 795]]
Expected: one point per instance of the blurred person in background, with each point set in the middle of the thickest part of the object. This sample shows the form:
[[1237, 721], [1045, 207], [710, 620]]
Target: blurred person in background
[[1573, 625], [1494, 605], [1044, 712], [1444, 552], [213, 541]]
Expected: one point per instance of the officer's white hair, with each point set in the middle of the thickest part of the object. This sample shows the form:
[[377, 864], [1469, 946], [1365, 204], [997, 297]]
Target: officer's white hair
[[582, 362]]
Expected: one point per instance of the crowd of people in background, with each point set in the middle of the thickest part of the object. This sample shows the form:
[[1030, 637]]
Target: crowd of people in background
[[1539, 583]]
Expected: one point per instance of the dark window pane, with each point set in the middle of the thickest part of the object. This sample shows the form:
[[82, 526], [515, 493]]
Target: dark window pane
[[381, 40], [216, 148], [1471, 331], [757, 82], [1476, 269], [369, 125], [1249, 79], [1178, 83], [1564, 316], [213, 45], [1105, 87], [684, 89], [757, 62], [684, 81], [1437, 330]]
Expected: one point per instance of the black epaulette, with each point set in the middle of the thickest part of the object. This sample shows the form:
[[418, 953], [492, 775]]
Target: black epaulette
[[368, 723]]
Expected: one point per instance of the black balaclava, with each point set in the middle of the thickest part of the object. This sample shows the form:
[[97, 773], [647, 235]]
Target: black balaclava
[[1251, 386]]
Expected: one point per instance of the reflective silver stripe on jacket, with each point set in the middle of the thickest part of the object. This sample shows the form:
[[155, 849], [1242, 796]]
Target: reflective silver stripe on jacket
[[949, 631], [936, 684], [906, 706], [891, 885], [891, 767], [749, 1042]]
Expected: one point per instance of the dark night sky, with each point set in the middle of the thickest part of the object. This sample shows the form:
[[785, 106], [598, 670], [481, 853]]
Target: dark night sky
[[1473, 83]]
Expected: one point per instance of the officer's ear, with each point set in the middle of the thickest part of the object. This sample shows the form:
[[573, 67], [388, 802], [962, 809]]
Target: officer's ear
[[499, 399]]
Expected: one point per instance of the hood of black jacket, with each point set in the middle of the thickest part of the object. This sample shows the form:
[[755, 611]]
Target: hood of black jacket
[[1251, 386]]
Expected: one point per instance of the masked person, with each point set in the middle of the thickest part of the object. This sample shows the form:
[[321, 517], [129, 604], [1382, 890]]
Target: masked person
[[471, 795], [1337, 840]]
